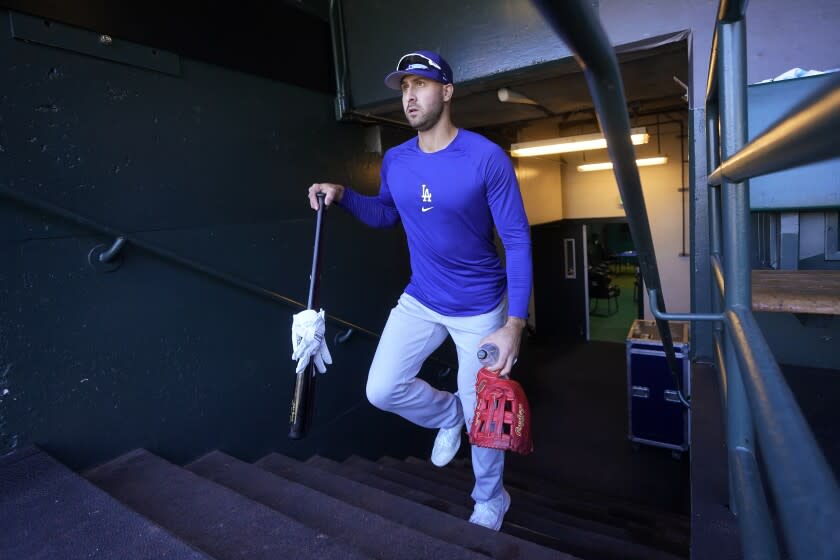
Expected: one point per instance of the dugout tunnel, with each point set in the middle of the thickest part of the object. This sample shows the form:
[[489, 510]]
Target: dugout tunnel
[[193, 134]]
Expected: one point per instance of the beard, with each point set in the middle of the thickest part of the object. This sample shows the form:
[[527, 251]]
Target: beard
[[427, 119]]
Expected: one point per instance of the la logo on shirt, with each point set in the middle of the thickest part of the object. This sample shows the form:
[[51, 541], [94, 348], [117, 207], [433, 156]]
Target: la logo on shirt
[[425, 197]]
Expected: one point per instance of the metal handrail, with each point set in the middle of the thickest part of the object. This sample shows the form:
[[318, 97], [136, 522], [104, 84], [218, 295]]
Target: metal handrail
[[711, 83], [731, 126], [803, 485], [731, 10], [577, 24], [806, 134], [754, 392], [717, 270], [719, 360], [168, 255], [757, 528], [728, 12], [656, 312]]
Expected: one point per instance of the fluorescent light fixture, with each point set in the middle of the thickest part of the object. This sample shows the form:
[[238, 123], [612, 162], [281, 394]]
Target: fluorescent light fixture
[[644, 162], [572, 144]]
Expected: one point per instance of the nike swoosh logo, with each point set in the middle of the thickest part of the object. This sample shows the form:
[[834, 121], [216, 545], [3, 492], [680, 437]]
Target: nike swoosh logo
[[425, 209]]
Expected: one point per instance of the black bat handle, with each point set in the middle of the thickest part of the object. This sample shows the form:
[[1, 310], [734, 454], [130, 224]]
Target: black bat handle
[[301, 410]]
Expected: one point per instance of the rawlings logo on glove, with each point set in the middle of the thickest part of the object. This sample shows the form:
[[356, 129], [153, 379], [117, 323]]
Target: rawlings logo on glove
[[308, 340], [502, 417]]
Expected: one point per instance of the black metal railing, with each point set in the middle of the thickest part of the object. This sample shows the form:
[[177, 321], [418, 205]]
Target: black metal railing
[[170, 256], [122, 237]]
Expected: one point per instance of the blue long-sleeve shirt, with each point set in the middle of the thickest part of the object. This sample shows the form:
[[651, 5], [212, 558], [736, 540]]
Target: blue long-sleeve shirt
[[448, 202]]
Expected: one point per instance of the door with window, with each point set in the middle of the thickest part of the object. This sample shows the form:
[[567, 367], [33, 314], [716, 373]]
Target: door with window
[[560, 281]]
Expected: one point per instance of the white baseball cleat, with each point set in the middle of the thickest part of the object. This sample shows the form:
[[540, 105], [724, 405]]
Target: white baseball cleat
[[447, 443], [491, 513]]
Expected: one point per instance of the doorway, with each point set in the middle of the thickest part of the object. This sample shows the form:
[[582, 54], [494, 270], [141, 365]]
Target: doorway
[[614, 294], [552, 102]]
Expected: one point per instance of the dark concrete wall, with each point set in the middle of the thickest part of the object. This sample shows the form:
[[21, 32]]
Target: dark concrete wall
[[211, 164], [254, 36]]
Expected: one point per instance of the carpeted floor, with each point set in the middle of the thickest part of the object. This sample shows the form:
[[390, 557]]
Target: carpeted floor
[[614, 327]]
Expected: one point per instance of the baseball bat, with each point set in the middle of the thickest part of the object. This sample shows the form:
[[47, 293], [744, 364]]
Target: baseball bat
[[301, 411]]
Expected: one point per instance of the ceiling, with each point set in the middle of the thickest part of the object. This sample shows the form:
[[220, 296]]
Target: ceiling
[[561, 89]]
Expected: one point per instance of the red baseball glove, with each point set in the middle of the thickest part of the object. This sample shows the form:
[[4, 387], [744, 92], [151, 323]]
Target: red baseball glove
[[502, 417]]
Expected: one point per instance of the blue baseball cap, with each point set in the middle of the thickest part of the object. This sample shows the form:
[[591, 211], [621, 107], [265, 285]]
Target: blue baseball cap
[[420, 63]]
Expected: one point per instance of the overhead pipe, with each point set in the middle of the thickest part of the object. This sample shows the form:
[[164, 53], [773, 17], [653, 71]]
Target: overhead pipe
[[342, 101]]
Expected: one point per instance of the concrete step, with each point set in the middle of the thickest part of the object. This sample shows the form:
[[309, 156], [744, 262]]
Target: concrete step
[[209, 516], [673, 528], [583, 503], [375, 535], [523, 500], [582, 542], [420, 515], [47, 511], [361, 474], [584, 515]]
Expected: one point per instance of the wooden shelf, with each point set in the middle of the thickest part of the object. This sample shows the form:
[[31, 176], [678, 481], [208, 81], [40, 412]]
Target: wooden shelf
[[796, 291]]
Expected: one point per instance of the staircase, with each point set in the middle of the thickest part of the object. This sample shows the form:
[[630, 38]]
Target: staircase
[[141, 506]]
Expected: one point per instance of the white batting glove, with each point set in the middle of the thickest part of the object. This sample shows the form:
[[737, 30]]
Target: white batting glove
[[322, 357], [308, 340]]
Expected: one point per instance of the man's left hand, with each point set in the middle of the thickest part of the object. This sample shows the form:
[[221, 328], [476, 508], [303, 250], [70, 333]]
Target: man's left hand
[[507, 339]]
